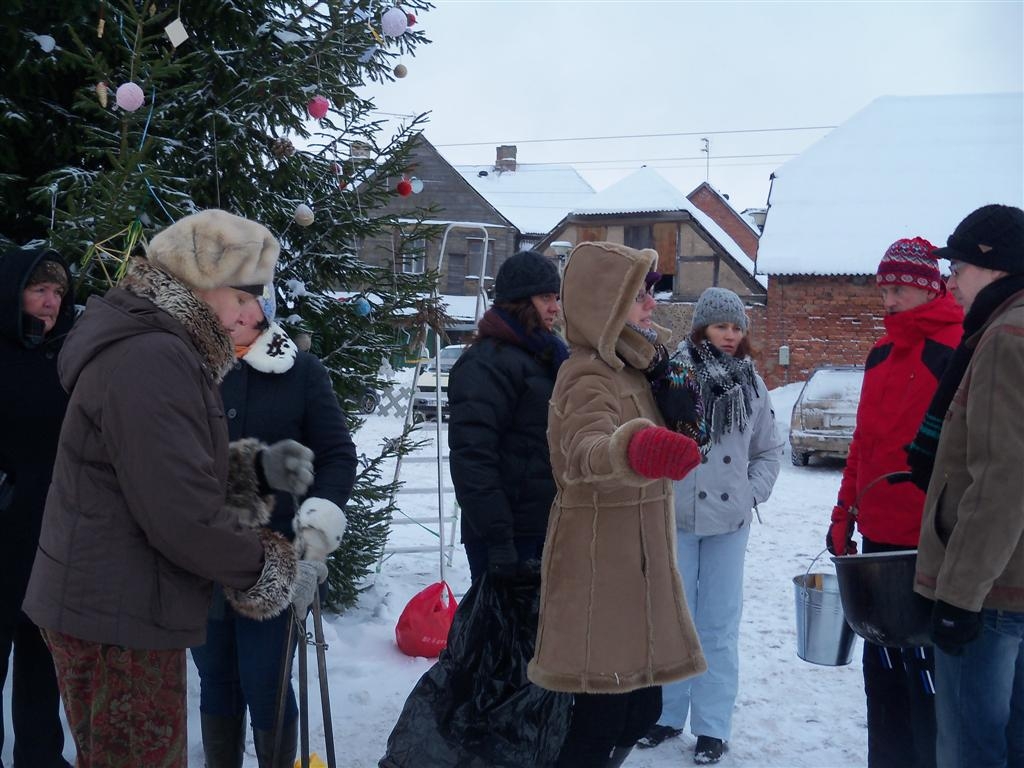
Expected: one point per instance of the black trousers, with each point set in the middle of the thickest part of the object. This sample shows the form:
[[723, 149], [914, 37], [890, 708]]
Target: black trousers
[[35, 699], [603, 721], [899, 683]]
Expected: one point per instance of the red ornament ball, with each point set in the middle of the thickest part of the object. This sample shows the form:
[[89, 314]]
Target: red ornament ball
[[318, 107], [404, 188], [411, 18]]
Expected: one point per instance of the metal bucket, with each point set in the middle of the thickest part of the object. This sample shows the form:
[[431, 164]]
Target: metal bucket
[[879, 600], [822, 634]]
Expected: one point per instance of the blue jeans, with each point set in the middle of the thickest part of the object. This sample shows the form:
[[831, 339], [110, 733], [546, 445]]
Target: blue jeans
[[711, 568], [240, 666], [979, 697]]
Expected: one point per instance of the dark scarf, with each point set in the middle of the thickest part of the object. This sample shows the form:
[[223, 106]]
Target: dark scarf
[[921, 452], [541, 343], [727, 388]]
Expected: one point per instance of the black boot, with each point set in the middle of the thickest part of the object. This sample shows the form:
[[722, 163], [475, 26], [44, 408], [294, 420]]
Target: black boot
[[264, 743], [223, 740], [618, 756]]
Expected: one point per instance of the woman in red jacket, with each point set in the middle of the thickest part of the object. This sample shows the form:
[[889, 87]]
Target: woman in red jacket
[[923, 327]]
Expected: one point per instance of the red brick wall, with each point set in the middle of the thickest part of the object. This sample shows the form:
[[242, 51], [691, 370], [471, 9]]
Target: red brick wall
[[725, 217], [823, 319]]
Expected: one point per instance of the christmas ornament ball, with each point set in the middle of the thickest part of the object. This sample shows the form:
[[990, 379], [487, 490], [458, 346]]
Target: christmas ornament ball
[[410, 18], [401, 71], [129, 97], [393, 22], [416, 185], [303, 215], [318, 107], [361, 306], [403, 188]]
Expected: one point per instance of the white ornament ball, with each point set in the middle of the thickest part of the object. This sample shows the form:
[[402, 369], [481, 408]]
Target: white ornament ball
[[46, 42], [417, 185], [303, 215], [129, 97], [394, 22]]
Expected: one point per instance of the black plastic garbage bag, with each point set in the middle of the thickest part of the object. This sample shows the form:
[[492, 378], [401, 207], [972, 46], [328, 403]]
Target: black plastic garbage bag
[[475, 707]]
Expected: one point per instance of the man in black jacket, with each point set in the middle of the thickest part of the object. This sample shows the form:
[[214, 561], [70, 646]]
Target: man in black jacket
[[36, 312], [498, 395]]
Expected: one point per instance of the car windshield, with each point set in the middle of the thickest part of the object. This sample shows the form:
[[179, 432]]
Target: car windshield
[[837, 386], [449, 356]]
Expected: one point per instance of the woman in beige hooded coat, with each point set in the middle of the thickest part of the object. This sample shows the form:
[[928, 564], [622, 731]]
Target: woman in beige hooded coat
[[613, 619]]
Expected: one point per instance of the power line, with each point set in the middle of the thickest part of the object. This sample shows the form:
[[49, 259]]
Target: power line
[[638, 136]]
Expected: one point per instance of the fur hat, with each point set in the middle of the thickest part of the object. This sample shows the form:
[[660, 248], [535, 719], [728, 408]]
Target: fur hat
[[216, 249], [49, 270], [719, 305], [912, 263], [990, 237], [526, 274]]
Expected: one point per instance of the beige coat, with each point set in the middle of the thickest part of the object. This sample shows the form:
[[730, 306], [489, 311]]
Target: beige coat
[[613, 617], [971, 552]]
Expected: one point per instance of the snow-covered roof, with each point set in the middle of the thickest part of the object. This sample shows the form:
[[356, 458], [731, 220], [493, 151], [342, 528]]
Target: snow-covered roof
[[901, 167], [647, 191], [533, 197]]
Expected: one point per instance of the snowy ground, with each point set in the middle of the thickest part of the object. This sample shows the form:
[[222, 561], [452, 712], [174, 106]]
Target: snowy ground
[[789, 713]]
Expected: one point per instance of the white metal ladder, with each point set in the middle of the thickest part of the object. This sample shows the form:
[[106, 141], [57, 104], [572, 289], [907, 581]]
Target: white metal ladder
[[445, 544]]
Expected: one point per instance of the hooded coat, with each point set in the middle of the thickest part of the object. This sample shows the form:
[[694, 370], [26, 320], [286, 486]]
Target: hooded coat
[[32, 405], [901, 374], [613, 616], [140, 518]]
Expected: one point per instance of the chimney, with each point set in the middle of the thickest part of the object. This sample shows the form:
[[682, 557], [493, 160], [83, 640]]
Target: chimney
[[506, 160]]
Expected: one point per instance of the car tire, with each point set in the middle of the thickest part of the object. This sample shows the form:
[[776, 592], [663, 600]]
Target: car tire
[[799, 459], [368, 403]]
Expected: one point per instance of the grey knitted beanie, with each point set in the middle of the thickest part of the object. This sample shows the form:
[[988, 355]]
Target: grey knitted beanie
[[719, 305]]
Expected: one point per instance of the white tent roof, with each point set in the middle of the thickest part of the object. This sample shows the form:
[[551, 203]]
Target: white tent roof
[[901, 167], [533, 197], [647, 191]]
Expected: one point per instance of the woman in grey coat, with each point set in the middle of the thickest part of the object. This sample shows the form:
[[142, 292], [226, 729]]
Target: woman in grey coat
[[732, 418]]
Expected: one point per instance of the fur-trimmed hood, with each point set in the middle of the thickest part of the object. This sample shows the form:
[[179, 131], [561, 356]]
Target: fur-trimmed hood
[[599, 285], [272, 352], [146, 300]]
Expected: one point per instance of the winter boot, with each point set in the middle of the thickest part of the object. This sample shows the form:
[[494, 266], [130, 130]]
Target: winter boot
[[709, 750], [223, 740], [618, 757], [657, 735], [264, 743]]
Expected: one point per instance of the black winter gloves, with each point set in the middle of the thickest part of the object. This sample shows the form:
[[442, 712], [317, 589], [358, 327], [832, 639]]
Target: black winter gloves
[[953, 628], [502, 560]]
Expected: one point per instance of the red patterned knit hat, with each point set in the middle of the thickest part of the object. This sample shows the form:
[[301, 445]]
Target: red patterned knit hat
[[911, 262]]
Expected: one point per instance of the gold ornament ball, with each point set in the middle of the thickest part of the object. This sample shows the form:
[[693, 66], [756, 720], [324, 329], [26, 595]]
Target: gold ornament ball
[[401, 71]]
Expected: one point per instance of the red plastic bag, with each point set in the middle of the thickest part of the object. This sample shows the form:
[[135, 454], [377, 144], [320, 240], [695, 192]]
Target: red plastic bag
[[422, 629]]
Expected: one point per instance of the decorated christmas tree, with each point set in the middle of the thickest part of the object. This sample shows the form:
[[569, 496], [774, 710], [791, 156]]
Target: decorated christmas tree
[[121, 116]]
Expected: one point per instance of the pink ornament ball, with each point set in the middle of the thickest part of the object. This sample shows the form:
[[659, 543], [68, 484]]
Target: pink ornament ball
[[129, 97], [318, 107], [404, 188], [393, 22]]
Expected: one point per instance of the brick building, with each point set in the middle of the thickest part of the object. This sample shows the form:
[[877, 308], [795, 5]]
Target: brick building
[[901, 167]]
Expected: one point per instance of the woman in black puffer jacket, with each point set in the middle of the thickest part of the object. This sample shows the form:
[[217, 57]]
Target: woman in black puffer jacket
[[498, 395]]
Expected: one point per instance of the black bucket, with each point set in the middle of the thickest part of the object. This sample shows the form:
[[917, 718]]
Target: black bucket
[[879, 601]]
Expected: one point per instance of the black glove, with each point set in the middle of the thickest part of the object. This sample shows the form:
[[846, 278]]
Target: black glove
[[953, 628], [921, 464], [658, 367], [502, 560]]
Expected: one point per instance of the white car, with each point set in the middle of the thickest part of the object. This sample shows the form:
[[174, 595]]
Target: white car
[[424, 399], [825, 413]]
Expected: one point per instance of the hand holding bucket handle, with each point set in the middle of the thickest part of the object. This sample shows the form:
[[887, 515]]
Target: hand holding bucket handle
[[839, 538]]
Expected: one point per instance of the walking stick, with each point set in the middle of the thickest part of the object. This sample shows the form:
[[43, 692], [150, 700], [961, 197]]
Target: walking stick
[[283, 683], [325, 692], [303, 701]]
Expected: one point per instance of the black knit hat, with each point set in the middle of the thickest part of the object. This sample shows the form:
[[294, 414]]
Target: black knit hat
[[526, 274], [990, 237]]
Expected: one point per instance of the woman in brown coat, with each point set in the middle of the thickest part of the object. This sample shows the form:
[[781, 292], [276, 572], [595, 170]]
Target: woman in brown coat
[[614, 625]]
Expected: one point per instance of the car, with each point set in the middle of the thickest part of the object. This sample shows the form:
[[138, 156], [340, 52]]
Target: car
[[424, 400], [825, 413]]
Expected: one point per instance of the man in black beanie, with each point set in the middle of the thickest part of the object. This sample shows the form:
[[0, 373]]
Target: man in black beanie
[[971, 553]]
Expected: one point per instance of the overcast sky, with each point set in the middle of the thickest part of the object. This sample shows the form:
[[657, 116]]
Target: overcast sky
[[515, 71]]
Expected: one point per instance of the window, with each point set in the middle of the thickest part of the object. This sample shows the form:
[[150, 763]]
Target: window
[[456, 282], [414, 260], [638, 237], [475, 246]]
